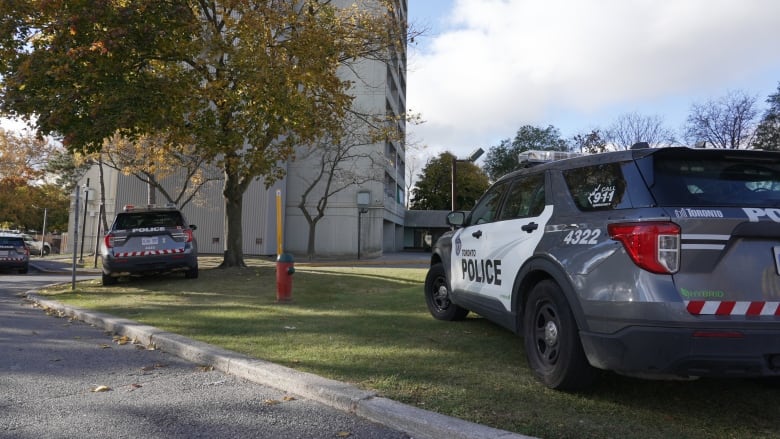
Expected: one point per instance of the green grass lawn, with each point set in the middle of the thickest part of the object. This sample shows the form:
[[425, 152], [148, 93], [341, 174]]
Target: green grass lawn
[[369, 326]]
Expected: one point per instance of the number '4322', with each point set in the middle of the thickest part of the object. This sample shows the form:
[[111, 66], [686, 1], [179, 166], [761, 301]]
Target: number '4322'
[[584, 237]]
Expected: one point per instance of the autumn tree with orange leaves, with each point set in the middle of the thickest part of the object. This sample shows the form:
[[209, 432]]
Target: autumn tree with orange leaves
[[24, 189]]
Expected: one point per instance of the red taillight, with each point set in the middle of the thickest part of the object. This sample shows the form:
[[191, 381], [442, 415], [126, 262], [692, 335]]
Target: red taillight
[[718, 334], [108, 240], [188, 232], [654, 246]]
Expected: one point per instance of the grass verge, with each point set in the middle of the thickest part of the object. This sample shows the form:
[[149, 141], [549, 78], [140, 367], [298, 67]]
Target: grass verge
[[369, 327]]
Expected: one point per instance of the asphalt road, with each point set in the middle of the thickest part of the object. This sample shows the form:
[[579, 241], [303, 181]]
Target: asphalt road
[[51, 366]]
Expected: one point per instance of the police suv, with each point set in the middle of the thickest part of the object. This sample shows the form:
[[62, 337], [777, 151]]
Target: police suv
[[149, 240], [14, 253], [647, 262]]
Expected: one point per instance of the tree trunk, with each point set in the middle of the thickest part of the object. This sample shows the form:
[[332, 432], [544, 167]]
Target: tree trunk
[[310, 250], [151, 197], [102, 213], [234, 198]]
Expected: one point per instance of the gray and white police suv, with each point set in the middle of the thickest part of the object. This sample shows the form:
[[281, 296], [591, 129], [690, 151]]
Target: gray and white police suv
[[149, 240], [648, 262]]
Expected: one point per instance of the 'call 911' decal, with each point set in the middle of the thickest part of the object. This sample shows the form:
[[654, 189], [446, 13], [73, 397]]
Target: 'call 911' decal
[[582, 237]]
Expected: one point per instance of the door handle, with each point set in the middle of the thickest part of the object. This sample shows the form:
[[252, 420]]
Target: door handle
[[530, 227], [477, 234]]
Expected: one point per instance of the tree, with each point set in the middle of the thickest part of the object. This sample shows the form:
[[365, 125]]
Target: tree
[[503, 158], [413, 158], [632, 128], [248, 80], [339, 164], [726, 122], [24, 187], [433, 190], [23, 155], [768, 131], [66, 168], [22, 204], [154, 158], [589, 143]]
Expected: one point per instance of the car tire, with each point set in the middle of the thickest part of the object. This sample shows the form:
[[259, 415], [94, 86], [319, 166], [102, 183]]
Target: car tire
[[437, 296], [45, 251], [109, 280], [552, 342], [191, 273]]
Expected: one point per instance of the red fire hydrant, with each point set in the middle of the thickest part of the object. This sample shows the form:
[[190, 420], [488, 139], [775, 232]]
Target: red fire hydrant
[[284, 272]]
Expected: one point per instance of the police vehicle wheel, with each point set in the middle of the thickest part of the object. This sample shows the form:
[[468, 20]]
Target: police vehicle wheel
[[109, 280], [552, 342], [437, 296], [191, 273]]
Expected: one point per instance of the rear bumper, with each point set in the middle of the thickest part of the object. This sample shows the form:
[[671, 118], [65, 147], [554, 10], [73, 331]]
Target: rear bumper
[[686, 352], [14, 264], [117, 266]]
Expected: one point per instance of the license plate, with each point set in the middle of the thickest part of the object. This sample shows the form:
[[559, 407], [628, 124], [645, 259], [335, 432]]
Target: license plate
[[152, 240], [776, 251]]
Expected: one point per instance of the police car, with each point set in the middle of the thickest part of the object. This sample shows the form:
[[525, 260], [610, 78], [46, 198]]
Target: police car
[[647, 262], [14, 253], [149, 240]]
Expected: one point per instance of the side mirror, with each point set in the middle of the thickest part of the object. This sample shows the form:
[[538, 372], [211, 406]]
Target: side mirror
[[193, 227], [456, 218]]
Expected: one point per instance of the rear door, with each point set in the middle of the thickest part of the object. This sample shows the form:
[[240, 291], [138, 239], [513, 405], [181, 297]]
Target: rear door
[[496, 244], [727, 204]]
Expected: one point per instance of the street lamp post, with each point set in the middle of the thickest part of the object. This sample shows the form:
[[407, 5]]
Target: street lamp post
[[363, 201], [84, 225], [43, 232], [471, 158]]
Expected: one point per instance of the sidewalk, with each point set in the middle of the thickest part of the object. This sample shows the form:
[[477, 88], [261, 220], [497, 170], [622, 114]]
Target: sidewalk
[[418, 423]]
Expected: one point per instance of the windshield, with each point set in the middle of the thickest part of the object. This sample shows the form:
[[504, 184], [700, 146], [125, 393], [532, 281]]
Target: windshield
[[148, 219]]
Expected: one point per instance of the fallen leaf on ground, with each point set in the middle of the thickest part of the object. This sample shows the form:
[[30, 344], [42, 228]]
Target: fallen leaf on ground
[[205, 368], [289, 398], [101, 389], [123, 340], [343, 434]]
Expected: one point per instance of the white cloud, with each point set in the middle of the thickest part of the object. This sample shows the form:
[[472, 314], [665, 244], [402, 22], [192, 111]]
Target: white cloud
[[500, 64]]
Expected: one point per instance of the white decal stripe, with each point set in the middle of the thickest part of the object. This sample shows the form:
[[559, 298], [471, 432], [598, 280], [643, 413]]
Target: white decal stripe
[[769, 308], [740, 308], [710, 307], [701, 237], [702, 246]]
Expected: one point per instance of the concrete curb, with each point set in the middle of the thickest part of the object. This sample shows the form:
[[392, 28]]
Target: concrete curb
[[418, 423]]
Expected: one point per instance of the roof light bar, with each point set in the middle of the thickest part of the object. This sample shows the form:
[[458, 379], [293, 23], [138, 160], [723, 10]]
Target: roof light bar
[[535, 157]]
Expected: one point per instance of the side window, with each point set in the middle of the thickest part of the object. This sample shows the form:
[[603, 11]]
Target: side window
[[486, 209], [525, 198], [599, 187]]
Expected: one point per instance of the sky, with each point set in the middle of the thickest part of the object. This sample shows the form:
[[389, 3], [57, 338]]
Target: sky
[[484, 68]]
